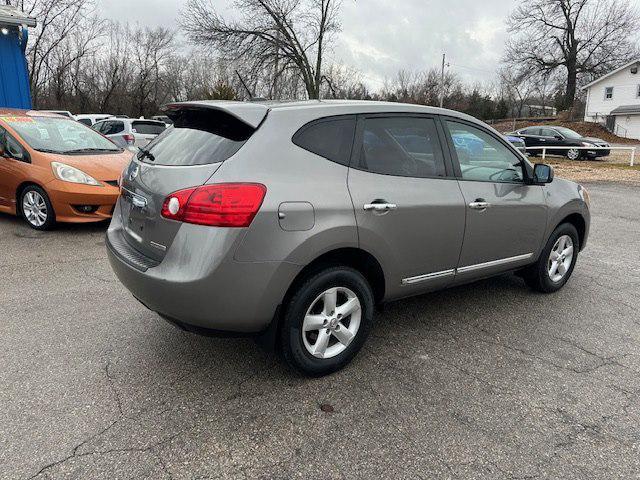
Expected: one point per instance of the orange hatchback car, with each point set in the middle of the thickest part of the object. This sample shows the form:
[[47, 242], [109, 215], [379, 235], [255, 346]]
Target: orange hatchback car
[[54, 169]]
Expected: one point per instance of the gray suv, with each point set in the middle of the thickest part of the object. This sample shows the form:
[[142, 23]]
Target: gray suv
[[294, 220]]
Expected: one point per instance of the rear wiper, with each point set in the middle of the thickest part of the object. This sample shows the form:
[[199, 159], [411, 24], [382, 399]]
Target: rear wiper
[[146, 153]]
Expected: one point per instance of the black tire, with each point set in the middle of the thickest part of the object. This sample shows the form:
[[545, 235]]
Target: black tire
[[305, 295], [537, 275], [578, 158], [50, 220]]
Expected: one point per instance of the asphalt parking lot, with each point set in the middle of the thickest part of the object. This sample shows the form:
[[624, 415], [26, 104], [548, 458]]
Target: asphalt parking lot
[[484, 381]]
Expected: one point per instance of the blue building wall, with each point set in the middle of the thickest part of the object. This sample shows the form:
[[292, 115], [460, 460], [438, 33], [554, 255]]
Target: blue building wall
[[14, 76]]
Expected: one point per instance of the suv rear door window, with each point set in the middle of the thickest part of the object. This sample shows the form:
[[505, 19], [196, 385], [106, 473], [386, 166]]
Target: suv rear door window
[[402, 146], [330, 138], [200, 136], [149, 128]]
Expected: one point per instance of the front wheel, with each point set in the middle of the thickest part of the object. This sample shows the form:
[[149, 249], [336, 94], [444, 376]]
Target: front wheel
[[574, 154], [557, 260], [36, 208], [327, 320]]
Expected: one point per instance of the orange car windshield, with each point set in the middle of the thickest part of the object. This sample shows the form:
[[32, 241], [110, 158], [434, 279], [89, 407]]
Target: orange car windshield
[[59, 135]]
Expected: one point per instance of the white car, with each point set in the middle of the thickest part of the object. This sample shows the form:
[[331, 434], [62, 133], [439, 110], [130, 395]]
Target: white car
[[64, 113], [89, 119], [130, 132]]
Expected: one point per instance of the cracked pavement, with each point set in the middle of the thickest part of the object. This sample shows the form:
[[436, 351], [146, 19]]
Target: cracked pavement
[[487, 380]]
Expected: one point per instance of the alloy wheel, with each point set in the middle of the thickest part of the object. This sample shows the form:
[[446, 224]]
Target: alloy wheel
[[560, 258], [34, 208], [331, 322], [573, 154]]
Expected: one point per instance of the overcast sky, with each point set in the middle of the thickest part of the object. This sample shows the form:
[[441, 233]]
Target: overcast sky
[[380, 37]]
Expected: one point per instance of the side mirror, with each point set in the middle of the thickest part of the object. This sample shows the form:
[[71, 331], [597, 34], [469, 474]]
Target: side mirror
[[18, 156], [542, 173], [557, 137]]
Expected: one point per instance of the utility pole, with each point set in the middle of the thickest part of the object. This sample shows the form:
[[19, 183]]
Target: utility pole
[[442, 79]]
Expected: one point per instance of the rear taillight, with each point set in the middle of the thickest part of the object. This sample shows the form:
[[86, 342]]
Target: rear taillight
[[130, 139], [217, 205]]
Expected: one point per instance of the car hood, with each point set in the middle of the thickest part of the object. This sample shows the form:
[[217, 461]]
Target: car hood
[[593, 140], [101, 166]]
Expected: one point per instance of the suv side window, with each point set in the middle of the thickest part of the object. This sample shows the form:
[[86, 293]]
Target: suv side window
[[402, 146], [116, 127], [13, 147], [330, 138], [99, 127], [482, 157]]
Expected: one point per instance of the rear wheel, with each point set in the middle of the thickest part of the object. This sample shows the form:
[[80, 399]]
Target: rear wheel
[[36, 208], [557, 261], [327, 320]]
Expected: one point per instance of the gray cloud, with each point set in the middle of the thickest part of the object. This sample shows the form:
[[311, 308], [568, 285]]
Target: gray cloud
[[380, 37]]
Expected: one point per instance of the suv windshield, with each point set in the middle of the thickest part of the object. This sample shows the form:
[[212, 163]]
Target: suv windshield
[[59, 135], [567, 132], [198, 137]]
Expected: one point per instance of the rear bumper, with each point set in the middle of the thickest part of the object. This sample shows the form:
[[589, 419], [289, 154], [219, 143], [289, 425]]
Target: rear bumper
[[199, 285]]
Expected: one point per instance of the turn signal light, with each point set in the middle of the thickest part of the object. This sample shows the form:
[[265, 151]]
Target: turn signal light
[[217, 205]]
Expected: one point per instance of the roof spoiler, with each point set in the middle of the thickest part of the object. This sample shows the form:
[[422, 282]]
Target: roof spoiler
[[251, 114]]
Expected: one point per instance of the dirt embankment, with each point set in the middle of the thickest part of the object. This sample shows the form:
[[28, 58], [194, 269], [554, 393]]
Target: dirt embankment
[[586, 129]]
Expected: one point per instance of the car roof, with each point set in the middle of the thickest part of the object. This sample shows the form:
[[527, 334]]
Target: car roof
[[16, 112], [94, 115], [254, 112]]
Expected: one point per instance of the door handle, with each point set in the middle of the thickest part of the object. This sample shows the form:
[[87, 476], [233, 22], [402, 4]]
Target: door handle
[[380, 207], [479, 204]]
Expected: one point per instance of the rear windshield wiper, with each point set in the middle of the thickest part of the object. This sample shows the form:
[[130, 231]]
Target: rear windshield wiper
[[146, 154]]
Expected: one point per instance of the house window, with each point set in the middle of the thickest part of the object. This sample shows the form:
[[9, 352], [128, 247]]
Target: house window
[[608, 93]]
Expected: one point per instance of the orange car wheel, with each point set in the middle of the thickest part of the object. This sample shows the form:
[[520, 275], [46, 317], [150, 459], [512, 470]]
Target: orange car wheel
[[36, 208]]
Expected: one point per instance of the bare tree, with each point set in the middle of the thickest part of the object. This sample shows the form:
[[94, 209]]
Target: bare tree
[[151, 54], [275, 37], [517, 88], [583, 37]]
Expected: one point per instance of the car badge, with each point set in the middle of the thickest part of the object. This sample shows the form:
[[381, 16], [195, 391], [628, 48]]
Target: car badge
[[134, 173]]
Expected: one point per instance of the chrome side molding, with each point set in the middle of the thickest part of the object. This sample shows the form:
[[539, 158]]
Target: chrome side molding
[[469, 268], [428, 276], [494, 263]]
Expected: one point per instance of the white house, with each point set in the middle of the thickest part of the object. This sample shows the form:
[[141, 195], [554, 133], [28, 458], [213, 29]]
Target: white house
[[614, 100]]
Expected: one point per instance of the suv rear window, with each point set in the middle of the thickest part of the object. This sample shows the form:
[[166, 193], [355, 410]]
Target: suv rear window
[[330, 138], [149, 128], [198, 137]]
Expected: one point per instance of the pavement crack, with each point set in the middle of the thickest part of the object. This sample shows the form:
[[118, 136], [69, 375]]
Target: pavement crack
[[112, 387]]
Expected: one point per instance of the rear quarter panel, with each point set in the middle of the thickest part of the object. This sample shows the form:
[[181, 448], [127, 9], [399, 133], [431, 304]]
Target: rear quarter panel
[[291, 174]]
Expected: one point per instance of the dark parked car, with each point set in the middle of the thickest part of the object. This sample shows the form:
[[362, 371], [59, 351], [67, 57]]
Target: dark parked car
[[551, 136]]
